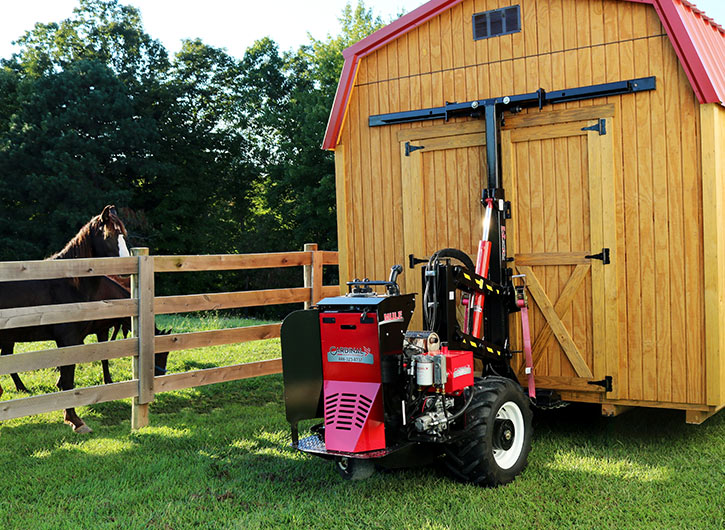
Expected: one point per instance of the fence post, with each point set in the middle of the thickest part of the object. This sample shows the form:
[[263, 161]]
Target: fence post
[[308, 273], [143, 328]]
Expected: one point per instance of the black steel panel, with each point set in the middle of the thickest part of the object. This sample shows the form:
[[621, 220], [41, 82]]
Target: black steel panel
[[302, 365]]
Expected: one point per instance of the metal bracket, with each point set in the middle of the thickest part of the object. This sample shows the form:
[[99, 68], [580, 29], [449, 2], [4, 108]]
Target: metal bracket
[[411, 148], [600, 127], [413, 261], [606, 383], [603, 256], [481, 348]]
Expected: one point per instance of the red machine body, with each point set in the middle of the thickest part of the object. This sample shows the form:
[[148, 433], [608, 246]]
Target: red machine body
[[352, 385]]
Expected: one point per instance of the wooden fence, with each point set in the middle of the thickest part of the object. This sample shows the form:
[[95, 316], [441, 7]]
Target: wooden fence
[[142, 308]]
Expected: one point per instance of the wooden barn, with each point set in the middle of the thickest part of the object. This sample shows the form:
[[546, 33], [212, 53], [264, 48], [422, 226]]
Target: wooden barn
[[639, 172]]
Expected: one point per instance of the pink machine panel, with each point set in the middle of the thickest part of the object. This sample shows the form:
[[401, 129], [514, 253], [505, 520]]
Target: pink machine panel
[[354, 420]]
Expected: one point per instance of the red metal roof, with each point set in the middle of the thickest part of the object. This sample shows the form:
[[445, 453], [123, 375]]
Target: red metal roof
[[698, 40]]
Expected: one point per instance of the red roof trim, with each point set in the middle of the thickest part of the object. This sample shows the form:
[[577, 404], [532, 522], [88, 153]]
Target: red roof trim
[[683, 40], [339, 107], [697, 39], [366, 46]]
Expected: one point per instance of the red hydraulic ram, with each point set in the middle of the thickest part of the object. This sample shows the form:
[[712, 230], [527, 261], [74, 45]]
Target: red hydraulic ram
[[482, 261]]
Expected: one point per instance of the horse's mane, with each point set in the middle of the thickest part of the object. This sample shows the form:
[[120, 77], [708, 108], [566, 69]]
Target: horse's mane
[[81, 245]]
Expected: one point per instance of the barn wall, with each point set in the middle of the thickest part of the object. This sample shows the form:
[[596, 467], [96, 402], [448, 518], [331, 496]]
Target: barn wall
[[564, 43]]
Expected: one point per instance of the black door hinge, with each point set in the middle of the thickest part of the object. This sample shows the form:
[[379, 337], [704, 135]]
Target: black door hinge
[[603, 256], [606, 383], [600, 127], [410, 148]]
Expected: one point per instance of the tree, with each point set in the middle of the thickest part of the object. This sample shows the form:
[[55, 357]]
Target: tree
[[67, 149], [299, 178], [101, 30], [325, 56]]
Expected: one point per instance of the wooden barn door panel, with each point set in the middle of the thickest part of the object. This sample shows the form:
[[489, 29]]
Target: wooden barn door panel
[[560, 180], [443, 172]]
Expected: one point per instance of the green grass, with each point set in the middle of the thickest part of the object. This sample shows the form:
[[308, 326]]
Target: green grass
[[218, 457]]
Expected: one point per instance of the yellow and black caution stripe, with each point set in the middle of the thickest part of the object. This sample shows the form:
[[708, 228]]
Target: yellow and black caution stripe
[[482, 348], [466, 279]]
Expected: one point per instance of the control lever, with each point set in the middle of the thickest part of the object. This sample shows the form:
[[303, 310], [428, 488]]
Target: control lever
[[392, 287]]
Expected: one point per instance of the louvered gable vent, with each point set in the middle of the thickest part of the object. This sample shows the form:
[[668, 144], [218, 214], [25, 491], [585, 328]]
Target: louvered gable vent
[[496, 22]]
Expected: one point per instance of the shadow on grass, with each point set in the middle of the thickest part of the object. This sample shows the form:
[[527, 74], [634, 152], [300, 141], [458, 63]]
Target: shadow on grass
[[188, 365], [639, 425]]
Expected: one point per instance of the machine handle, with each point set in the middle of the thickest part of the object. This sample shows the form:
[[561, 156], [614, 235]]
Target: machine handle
[[393, 287]]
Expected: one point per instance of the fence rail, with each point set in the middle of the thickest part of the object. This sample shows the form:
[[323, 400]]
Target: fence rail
[[68, 268], [42, 315], [142, 308]]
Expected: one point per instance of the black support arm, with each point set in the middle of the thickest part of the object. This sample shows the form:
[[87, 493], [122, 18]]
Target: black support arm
[[533, 99]]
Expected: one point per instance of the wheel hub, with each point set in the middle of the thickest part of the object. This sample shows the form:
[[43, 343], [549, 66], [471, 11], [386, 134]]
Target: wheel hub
[[503, 434]]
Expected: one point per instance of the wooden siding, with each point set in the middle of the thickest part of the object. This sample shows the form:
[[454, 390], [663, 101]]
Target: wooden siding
[[563, 43]]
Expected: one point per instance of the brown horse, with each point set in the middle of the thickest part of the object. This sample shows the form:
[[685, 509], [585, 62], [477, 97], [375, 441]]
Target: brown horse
[[103, 236], [109, 288]]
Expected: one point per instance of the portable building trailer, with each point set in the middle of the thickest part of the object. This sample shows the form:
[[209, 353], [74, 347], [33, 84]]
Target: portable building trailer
[[640, 174]]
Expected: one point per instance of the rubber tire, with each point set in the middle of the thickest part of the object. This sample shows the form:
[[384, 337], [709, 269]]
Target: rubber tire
[[354, 468], [471, 457]]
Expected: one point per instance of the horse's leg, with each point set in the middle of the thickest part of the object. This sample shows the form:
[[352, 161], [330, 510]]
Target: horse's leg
[[7, 349], [106, 372], [66, 381], [104, 363]]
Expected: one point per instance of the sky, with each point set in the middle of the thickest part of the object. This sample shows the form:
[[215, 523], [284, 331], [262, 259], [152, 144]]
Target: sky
[[230, 24]]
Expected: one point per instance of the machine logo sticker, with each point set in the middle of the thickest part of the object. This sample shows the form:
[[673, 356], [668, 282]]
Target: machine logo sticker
[[345, 354], [396, 316], [463, 370]]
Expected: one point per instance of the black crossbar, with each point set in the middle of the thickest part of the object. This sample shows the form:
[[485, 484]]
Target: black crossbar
[[533, 99]]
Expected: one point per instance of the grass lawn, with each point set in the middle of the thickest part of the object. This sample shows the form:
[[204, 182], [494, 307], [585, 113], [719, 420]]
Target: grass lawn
[[218, 457]]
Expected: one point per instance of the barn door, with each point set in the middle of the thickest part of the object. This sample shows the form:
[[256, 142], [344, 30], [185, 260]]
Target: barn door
[[443, 173], [559, 177]]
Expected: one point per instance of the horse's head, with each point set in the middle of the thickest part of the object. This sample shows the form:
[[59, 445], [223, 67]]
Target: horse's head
[[104, 236], [108, 234]]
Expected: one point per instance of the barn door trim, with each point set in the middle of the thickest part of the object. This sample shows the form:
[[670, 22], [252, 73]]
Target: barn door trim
[[567, 123], [413, 144]]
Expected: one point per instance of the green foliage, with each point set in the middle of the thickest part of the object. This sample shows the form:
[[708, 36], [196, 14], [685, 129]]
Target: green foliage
[[300, 178], [102, 30], [96, 113], [325, 56], [68, 148]]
